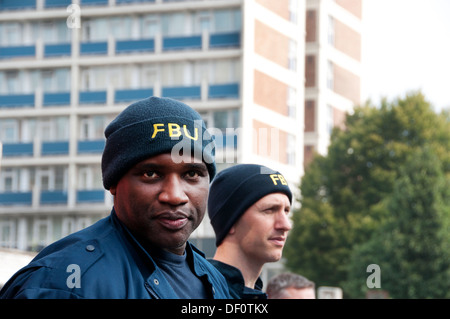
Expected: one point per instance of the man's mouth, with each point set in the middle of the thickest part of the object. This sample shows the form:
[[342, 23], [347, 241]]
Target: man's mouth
[[173, 220], [278, 240]]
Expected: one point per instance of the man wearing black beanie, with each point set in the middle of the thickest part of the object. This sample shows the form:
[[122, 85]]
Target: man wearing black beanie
[[158, 162], [248, 206]]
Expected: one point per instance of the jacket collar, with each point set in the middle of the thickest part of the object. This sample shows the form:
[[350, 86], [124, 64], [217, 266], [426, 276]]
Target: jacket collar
[[236, 282]]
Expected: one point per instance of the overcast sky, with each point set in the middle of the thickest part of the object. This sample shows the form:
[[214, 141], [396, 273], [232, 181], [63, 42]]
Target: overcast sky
[[406, 46]]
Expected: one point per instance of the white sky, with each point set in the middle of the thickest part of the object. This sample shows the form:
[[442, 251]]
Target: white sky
[[406, 46]]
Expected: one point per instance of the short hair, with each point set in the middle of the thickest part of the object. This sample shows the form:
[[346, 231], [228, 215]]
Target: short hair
[[277, 285]]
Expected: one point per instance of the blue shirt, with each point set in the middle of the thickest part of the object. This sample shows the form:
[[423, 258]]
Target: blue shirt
[[105, 261], [177, 271]]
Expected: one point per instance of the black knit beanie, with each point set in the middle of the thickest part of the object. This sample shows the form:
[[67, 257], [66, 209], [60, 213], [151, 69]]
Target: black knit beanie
[[237, 188], [151, 127]]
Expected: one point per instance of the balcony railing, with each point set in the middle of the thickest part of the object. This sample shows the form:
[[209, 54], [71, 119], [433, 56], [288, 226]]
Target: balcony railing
[[112, 46], [55, 148], [91, 196], [132, 94], [50, 197], [16, 100], [92, 97], [17, 4], [95, 146], [53, 197], [17, 149], [129, 46], [16, 198], [52, 99], [60, 49]]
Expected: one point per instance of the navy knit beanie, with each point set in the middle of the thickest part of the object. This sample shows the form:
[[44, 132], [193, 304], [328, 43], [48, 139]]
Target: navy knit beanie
[[237, 188], [151, 127]]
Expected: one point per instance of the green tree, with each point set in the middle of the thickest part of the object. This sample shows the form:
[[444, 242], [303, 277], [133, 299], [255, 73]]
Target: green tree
[[412, 247], [342, 192]]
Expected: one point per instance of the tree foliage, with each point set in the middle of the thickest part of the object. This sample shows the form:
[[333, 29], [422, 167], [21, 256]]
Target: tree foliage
[[344, 201]]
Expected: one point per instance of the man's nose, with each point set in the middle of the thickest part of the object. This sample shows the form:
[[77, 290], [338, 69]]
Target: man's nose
[[172, 191], [283, 222]]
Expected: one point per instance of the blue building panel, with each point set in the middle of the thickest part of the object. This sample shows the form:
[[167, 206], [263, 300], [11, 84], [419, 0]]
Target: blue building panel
[[17, 4], [92, 97], [50, 99], [88, 48], [220, 40], [16, 100], [130, 46], [96, 146], [182, 92], [53, 197], [94, 2], [57, 3], [91, 196], [182, 43], [55, 50], [17, 51], [55, 148], [132, 95], [17, 149], [230, 91], [16, 198]]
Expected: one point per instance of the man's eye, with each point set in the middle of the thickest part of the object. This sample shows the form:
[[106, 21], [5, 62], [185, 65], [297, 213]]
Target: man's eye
[[192, 174], [150, 174]]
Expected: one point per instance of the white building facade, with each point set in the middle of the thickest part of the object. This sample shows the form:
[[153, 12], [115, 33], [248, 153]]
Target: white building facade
[[66, 70]]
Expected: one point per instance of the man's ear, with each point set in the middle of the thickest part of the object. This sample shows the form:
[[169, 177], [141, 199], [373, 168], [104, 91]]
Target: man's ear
[[113, 190], [232, 230]]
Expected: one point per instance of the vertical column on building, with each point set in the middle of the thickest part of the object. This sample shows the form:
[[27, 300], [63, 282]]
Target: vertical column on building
[[73, 117]]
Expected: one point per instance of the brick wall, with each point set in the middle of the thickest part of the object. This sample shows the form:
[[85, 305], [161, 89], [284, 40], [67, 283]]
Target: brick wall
[[271, 44], [270, 93]]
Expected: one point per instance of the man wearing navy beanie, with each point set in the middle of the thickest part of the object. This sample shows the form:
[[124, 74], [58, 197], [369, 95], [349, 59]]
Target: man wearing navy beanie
[[158, 162], [248, 206]]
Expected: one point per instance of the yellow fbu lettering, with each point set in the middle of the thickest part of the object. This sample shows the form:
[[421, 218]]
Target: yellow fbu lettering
[[174, 130], [278, 177], [173, 127]]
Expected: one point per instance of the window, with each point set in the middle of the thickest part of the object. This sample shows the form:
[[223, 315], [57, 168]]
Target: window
[[330, 119], [8, 180], [8, 130], [331, 30], [11, 34], [12, 82], [202, 22], [42, 233], [292, 63], [226, 119], [290, 151], [7, 233], [89, 177], [150, 26], [91, 128], [330, 75], [174, 24], [227, 21], [292, 102], [293, 11], [48, 81]]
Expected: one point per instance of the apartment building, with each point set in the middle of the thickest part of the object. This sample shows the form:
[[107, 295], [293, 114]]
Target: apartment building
[[67, 68], [332, 69]]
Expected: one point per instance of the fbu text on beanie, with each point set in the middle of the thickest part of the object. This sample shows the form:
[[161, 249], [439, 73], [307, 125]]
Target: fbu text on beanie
[[151, 127], [237, 188]]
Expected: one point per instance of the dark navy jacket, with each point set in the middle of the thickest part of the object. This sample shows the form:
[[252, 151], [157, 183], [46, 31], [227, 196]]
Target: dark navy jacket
[[104, 261], [236, 282]]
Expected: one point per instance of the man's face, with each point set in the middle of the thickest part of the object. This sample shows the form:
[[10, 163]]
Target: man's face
[[162, 202], [261, 231]]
